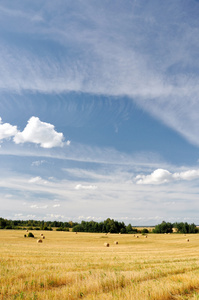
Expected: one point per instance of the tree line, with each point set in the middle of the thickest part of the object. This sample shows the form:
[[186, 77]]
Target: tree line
[[166, 227], [34, 224], [109, 225]]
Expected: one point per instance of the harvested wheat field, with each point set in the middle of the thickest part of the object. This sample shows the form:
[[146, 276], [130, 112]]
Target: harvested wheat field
[[78, 266]]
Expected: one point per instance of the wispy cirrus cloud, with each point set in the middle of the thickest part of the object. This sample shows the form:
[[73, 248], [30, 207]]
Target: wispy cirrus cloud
[[117, 188], [149, 53]]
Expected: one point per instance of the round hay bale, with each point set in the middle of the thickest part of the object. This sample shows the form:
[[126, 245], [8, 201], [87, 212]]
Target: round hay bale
[[106, 244], [187, 240], [39, 241], [41, 234], [116, 242], [137, 236], [43, 237]]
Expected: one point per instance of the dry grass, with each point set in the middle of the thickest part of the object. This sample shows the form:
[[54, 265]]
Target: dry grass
[[74, 266]]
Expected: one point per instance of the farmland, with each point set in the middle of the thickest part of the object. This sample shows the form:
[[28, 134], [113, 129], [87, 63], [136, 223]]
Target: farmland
[[78, 266]]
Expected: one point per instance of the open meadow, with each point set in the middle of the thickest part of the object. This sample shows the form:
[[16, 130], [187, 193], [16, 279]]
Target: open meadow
[[78, 266]]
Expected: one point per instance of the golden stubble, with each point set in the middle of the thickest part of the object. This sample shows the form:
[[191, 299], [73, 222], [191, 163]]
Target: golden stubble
[[67, 265]]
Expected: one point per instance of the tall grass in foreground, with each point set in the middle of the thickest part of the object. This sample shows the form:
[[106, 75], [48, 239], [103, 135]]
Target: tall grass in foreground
[[78, 266]]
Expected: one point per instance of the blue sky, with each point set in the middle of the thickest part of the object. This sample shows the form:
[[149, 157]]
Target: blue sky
[[99, 110]]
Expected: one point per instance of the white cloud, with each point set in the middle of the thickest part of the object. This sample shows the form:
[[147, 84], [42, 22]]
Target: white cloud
[[8, 196], [7, 130], [157, 177], [36, 179], [161, 176], [187, 175], [34, 206], [39, 132], [144, 200], [97, 219], [24, 217], [39, 206], [56, 205], [85, 187], [30, 216], [55, 217], [36, 131], [37, 163]]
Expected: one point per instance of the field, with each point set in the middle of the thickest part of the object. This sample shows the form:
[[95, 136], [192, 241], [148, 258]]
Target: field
[[78, 266]]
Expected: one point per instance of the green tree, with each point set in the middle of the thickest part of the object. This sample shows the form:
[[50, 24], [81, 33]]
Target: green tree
[[164, 227], [129, 228]]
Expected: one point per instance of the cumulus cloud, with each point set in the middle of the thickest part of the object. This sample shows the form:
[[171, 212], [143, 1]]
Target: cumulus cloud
[[187, 175], [7, 130], [161, 176], [36, 131], [39, 132], [157, 177], [85, 187]]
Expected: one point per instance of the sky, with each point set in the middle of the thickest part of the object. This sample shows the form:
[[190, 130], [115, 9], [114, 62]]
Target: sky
[[99, 110]]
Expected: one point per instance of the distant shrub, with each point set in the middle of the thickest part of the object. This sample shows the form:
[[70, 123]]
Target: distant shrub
[[144, 231], [8, 227], [24, 235], [30, 234], [46, 228], [62, 229]]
